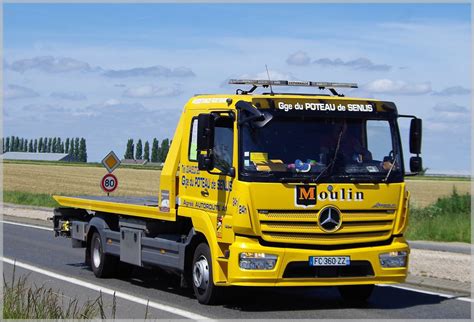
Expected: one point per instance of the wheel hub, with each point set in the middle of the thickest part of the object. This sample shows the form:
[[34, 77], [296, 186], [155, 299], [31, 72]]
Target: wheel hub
[[96, 254], [201, 273]]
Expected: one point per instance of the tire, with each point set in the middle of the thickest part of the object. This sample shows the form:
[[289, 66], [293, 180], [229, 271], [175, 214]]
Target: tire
[[201, 272], [356, 293], [103, 265]]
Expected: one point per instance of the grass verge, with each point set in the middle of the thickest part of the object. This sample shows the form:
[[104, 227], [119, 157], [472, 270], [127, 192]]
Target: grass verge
[[30, 199], [448, 219], [21, 301]]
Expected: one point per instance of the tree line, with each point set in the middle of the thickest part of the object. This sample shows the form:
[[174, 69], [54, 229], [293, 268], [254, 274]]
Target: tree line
[[75, 147], [140, 152]]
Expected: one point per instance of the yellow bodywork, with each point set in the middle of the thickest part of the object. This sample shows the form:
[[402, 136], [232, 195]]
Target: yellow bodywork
[[236, 216]]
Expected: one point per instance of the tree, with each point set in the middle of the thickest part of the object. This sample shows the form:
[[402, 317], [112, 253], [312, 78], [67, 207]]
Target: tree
[[71, 149], [129, 150], [7, 145], [54, 145], [20, 148], [146, 153], [50, 145], [25, 146], [76, 149], [139, 151], [154, 150], [12, 142], [165, 146], [40, 145], [67, 145], [35, 146], [82, 154], [17, 144], [30, 147]]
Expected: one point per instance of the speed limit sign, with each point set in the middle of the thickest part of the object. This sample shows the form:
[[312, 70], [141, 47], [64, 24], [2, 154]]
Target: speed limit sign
[[109, 183]]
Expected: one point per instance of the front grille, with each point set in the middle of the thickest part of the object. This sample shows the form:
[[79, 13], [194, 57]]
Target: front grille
[[301, 227], [303, 270]]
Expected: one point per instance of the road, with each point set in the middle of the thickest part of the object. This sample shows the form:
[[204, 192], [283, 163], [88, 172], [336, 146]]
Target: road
[[52, 261]]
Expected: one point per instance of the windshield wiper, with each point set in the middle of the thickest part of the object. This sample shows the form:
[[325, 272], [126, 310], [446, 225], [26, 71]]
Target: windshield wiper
[[296, 179], [365, 178], [330, 166], [395, 157]]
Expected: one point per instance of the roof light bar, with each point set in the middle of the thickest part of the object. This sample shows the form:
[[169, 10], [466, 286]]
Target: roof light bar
[[265, 83]]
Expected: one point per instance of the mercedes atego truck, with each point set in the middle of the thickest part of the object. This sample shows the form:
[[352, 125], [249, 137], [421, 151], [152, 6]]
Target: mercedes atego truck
[[271, 189]]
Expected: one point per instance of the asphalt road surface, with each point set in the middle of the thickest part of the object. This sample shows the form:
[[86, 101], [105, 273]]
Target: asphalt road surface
[[52, 262]]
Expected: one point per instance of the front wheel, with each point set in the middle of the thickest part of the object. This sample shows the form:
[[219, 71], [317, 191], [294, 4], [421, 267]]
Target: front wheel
[[102, 264], [204, 289], [356, 293]]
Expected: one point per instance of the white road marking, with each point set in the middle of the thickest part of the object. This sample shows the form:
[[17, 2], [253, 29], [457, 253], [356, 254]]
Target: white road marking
[[463, 298], [453, 297], [26, 225], [125, 296]]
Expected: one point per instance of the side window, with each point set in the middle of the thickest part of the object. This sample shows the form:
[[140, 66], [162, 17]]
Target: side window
[[379, 139], [223, 144], [192, 153]]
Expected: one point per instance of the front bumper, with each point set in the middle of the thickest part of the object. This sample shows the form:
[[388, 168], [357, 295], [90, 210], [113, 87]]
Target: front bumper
[[277, 277]]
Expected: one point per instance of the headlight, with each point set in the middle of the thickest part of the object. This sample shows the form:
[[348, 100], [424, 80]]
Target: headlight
[[260, 261], [393, 259]]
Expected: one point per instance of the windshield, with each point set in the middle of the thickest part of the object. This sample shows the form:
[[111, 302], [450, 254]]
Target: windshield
[[321, 150]]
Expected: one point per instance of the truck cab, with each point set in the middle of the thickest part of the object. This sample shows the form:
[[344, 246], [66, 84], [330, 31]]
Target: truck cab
[[274, 189]]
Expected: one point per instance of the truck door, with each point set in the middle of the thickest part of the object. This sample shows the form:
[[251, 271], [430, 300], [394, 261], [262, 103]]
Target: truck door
[[211, 191]]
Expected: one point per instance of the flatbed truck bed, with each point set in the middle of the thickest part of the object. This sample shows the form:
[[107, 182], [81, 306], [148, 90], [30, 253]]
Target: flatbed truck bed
[[146, 207]]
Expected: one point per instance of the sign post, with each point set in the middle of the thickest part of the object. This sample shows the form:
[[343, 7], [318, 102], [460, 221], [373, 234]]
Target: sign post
[[109, 182]]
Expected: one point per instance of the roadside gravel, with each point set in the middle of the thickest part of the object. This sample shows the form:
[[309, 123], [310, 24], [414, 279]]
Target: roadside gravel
[[445, 265]]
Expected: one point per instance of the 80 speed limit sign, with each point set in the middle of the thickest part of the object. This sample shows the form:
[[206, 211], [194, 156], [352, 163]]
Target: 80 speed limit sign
[[109, 183]]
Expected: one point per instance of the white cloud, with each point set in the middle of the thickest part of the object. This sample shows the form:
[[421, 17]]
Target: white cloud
[[17, 92], [450, 108], [359, 63], [72, 96], [449, 117], [49, 64], [387, 86], [299, 58], [454, 90], [150, 91], [153, 71], [111, 102]]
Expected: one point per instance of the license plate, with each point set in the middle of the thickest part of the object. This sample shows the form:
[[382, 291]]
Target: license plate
[[329, 261]]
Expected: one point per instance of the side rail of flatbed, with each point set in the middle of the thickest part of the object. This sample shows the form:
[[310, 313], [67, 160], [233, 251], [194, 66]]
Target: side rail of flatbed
[[144, 207]]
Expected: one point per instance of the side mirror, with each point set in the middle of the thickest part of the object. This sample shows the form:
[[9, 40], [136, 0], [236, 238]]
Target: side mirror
[[206, 130], [205, 141], [416, 164], [415, 136]]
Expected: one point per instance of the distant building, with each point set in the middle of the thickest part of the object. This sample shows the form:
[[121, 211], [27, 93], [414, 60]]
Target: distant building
[[37, 156], [133, 161]]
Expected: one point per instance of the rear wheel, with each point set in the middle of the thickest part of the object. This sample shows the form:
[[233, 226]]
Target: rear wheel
[[102, 264], [204, 289], [356, 293]]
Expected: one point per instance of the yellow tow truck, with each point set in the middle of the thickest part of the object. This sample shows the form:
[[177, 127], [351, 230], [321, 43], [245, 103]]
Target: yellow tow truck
[[270, 189]]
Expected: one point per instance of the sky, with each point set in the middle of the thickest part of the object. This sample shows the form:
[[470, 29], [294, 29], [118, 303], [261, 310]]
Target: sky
[[109, 72]]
